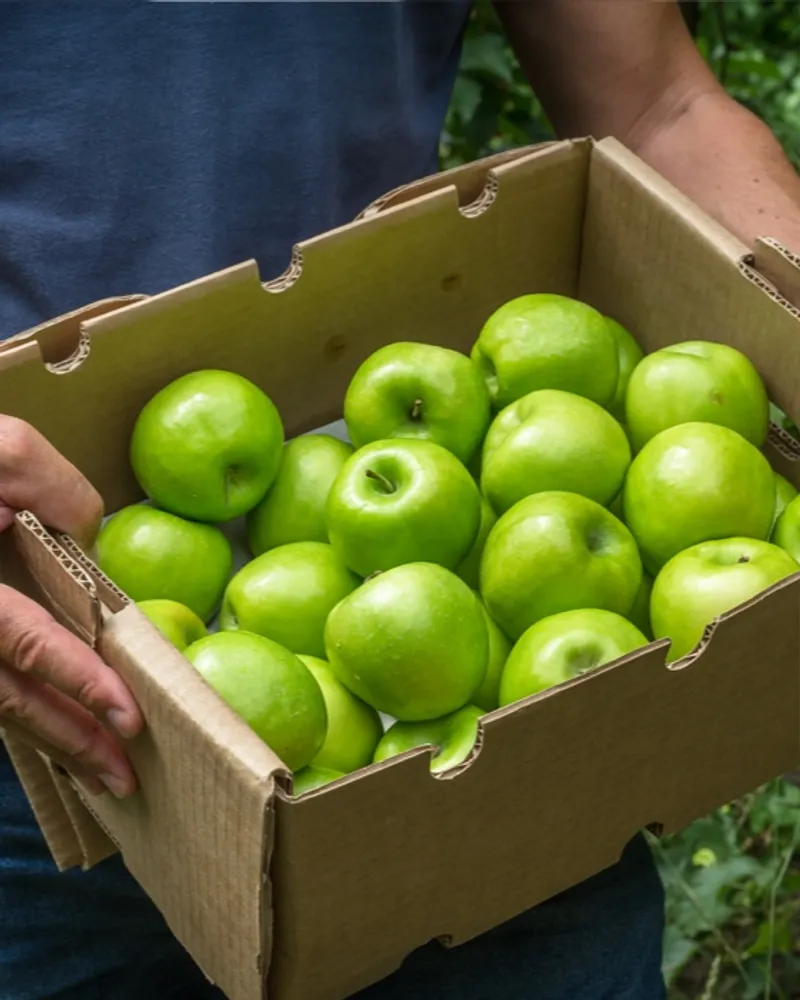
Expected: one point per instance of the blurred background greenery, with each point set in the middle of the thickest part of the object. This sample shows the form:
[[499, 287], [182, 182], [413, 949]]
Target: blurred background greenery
[[732, 878]]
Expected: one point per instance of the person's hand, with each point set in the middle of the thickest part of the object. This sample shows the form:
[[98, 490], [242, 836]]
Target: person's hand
[[56, 694]]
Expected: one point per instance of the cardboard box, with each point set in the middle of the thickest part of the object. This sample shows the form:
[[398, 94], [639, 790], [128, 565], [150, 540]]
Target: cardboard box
[[320, 896]]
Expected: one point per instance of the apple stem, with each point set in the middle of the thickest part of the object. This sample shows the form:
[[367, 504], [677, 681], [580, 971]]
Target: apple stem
[[416, 410], [388, 487], [744, 559]]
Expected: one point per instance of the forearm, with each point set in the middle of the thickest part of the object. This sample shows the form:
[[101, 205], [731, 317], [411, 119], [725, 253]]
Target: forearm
[[728, 162]]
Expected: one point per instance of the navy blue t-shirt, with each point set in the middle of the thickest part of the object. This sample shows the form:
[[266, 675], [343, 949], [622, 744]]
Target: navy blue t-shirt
[[146, 144]]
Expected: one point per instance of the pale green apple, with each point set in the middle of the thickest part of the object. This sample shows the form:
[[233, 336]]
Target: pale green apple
[[697, 381], [499, 647], [706, 580], [397, 502], [629, 354], [412, 642], [786, 533], [640, 612], [354, 727], [287, 593], [470, 568], [553, 440], [177, 623], [269, 688], [545, 341], [311, 777], [207, 446], [785, 492], [453, 738], [556, 552], [294, 508], [562, 646], [410, 390], [693, 483], [616, 507], [149, 553]]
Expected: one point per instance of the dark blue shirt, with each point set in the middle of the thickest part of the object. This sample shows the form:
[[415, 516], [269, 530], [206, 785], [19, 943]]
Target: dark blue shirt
[[146, 144]]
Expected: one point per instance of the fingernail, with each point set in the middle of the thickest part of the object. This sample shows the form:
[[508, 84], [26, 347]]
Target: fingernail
[[115, 785], [125, 724]]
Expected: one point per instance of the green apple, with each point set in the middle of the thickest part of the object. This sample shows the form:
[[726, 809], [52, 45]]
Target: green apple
[[269, 688], [553, 440], [616, 506], [149, 553], [547, 341], [640, 612], [354, 727], [629, 354], [786, 533], [693, 483], [397, 502], [309, 778], [287, 593], [453, 737], [556, 552], [696, 382], [785, 492], [470, 567], [409, 390], [177, 623], [207, 446], [412, 642], [563, 646], [707, 580], [499, 647], [294, 508]]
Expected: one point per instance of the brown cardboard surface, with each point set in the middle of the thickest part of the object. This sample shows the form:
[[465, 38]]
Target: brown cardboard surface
[[363, 871], [779, 266]]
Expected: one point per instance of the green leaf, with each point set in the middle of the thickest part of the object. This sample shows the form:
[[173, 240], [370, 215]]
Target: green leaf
[[677, 950], [775, 938], [466, 98], [487, 54]]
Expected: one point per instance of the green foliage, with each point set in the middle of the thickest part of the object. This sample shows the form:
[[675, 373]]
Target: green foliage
[[733, 878]]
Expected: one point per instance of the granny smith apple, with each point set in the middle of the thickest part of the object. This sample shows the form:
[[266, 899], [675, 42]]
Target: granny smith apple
[[412, 642], [150, 553], [486, 697], [410, 390], [640, 612], [708, 579], [553, 440], [693, 483], [398, 502], [269, 688], [469, 569], [309, 778], [545, 341], [786, 533], [354, 727], [629, 354], [562, 646], [207, 446], [287, 593], [294, 508], [785, 492], [616, 507], [696, 382], [453, 737], [556, 552], [177, 623]]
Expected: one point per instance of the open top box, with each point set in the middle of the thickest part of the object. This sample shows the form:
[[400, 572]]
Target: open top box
[[316, 897]]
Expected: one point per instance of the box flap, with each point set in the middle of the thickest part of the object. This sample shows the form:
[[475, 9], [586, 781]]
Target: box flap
[[781, 268]]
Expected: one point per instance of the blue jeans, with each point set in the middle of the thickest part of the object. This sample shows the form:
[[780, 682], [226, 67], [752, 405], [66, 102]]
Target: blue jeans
[[95, 935]]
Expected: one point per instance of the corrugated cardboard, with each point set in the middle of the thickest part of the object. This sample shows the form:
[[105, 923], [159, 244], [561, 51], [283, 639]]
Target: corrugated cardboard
[[320, 896]]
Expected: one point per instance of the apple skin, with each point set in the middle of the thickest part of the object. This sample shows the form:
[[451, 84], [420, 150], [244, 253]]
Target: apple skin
[[354, 727], [410, 390], [694, 483], [412, 642], [269, 688], [553, 440], [556, 552], [310, 777], [708, 579], [397, 502], [149, 553], [639, 614], [696, 382], [629, 354], [454, 737], [293, 509], [786, 533], [563, 646], [545, 341], [177, 623], [286, 594], [207, 446], [486, 697], [470, 568], [785, 492]]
